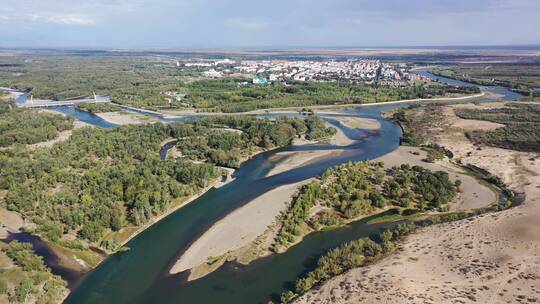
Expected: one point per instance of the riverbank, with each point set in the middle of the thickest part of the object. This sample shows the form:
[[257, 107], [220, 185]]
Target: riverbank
[[323, 107], [493, 258], [179, 203]]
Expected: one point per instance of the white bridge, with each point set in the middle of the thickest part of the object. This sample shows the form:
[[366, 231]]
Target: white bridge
[[24, 102]]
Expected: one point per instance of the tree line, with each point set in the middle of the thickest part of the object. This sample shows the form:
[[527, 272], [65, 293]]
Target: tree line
[[359, 189]]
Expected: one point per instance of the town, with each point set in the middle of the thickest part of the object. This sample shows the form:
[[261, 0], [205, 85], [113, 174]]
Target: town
[[264, 72]]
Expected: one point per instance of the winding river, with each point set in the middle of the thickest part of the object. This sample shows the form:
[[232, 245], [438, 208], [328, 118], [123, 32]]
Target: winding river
[[141, 275]]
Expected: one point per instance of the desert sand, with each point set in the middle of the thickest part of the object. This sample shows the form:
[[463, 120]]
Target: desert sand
[[494, 258]]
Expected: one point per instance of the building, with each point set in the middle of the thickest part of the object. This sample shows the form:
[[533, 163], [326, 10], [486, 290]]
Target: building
[[212, 73], [260, 80]]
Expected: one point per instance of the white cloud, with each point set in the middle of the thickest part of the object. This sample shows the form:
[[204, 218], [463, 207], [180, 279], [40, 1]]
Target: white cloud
[[56, 18], [80, 20]]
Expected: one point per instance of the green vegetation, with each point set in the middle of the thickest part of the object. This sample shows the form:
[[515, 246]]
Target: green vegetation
[[353, 190], [348, 256], [230, 95], [419, 123], [30, 280], [522, 78], [521, 131], [141, 81], [101, 181], [364, 251], [207, 140], [98, 107], [135, 80], [25, 126], [98, 180]]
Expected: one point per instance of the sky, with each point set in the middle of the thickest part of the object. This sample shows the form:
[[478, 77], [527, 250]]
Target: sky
[[267, 23]]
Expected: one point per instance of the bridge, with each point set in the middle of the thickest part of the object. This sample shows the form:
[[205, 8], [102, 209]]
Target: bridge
[[24, 102]]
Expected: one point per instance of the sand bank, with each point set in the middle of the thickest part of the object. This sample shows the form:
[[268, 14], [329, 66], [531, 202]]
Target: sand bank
[[358, 122], [125, 118], [9, 222], [238, 229], [295, 159]]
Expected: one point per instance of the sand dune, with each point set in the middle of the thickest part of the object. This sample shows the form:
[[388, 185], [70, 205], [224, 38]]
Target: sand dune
[[494, 258]]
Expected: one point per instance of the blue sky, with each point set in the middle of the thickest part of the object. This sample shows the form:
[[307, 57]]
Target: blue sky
[[266, 23]]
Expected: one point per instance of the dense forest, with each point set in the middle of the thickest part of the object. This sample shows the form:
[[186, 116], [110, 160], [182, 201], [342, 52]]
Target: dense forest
[[353, 190], [135, 80], [25, 126], [231, 95], [227, 140], [141, 81], [29, 280], [100, 181], [521, 131], [521, 78]]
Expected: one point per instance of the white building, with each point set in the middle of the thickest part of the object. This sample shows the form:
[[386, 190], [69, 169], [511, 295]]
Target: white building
[[212, 73]]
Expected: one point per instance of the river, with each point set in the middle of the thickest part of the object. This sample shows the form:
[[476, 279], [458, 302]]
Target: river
[[141, 275]]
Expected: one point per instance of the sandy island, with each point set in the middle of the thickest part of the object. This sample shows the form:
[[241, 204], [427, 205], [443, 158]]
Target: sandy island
[[237, 229], [126, 118], [493, 258]]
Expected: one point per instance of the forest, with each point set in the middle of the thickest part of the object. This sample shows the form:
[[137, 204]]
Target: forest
[[29, 280], [354, 190], [97, 181], [135, 80], [231, 95], [521, 131], [521, 78], [100, 181], [228, 140], [142, 81], [25, 126]]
